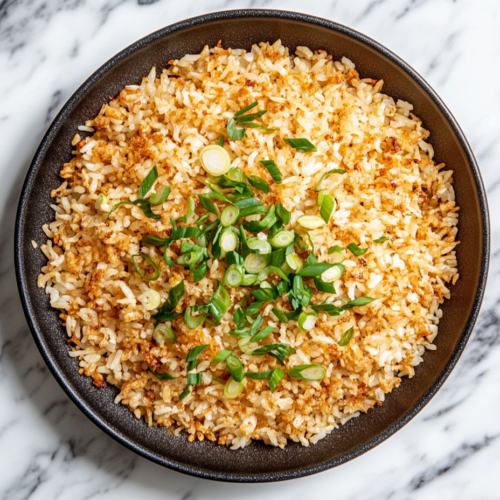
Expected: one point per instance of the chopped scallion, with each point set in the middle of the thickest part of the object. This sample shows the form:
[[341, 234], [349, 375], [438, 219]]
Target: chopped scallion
[[151, 261], [307, 321], [282, 239], [256, 262], [346, 337], [150, 299], [233, 389], [273, 169], [229, 215], [215, 159], [307, 372], [160, 196], [311, 221], [302, 145], [355, 250], [233, 277], [164, 334], [326, 174]]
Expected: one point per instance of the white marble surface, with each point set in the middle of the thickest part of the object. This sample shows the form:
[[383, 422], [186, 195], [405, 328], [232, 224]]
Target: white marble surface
[[49, 450]]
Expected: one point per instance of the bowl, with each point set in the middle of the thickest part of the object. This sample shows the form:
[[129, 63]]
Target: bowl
[[257, 462]]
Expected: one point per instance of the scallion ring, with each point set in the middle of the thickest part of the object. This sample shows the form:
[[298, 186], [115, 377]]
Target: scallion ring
[[160, 196], [189, 258], [327, 207], [262, 246], [265, 284], [246, 346], [310, 373], [294, 262], [150, 299], [235, 368], [256, 262], [233, 389], [229, 215], [311, 221], [151, 261], [249, 280], [193, 321], [337, 256], [282, 239], [228, 241], [163, 334], [233, 277], [215, 160], [334, 273], [307, 321]]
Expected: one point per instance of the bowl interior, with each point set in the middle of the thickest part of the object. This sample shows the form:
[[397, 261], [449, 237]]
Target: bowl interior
[[240, 30]]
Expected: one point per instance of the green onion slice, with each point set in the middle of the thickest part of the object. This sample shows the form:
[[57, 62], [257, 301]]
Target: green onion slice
[[151, 261], [246, 346], [192, 356], [275, 379], [326, 174], [301, 144], [346, 337], [256, 262], [247, 108], [262, 334], [164, 334], [273, 170], [233, 132], [259, 375], [327, 207], [150, 299], [294, 262], [334, 273], [262, 246], [307, 372], [229, 215], [235, 368], [220, 302], [189, 258], [185, 393], [336, 253], [315, 269], [272, 270], [233, 277], [249, 280], [193, 320], [278, 351], [160, 196], [381, 240], [282, 239], [236, 175], [215, 159], [161, 376], [191, 208], [283, 214], [222, 356], [258, 183], [268, 221], [307, 321], [311, 221], [221, 141], [355, 250], [148, 182], [233, 389], [228, 241]]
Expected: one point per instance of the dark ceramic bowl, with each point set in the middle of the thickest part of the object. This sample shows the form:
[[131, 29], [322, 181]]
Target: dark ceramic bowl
[[257, 462]]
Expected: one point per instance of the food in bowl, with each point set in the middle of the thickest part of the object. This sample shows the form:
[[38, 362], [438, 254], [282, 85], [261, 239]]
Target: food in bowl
[[254, 245]]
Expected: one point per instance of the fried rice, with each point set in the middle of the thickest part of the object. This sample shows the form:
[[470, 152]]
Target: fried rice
[[392, 189]]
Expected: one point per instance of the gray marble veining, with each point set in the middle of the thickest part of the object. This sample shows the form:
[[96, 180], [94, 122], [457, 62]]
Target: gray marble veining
[[49, 450]]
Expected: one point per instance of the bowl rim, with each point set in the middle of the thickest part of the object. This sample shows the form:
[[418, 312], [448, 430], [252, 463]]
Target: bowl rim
[[23, 286]]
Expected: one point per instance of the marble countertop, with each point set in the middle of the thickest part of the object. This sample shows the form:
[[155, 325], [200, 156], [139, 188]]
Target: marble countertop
[[50, 450]]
